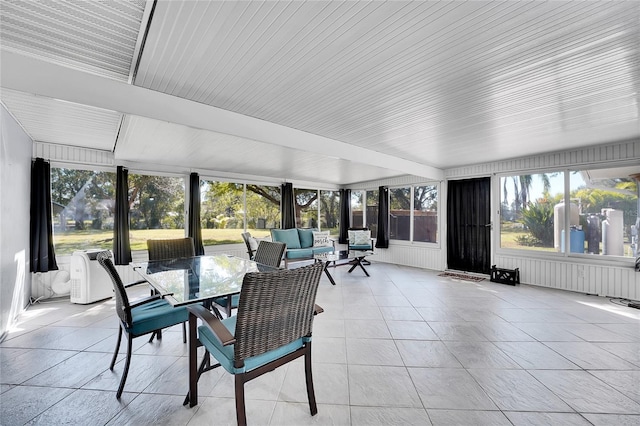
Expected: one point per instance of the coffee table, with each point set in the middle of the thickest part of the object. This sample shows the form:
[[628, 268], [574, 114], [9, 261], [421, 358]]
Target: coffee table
[[345, 257]]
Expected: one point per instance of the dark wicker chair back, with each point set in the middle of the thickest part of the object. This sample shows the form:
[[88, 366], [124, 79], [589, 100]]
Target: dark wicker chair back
[[170, 249], [270, 253], [122, 301], [246, 237], [275, 308]]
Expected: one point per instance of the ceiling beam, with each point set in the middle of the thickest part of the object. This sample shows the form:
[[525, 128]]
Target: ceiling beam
[[30, 75]]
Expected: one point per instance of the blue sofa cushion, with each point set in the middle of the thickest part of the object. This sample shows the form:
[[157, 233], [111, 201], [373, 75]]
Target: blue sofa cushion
[[288, 236], [306, 237], [224, 354], [299, 253]]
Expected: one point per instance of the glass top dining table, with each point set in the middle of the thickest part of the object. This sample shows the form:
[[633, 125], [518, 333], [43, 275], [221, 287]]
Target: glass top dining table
[[188, 280]]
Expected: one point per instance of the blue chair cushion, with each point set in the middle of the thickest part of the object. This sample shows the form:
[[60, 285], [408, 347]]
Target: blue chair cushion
[[288, 236], [156, 315], [299, 253], [306, 237], [224, 354], [361, 247]]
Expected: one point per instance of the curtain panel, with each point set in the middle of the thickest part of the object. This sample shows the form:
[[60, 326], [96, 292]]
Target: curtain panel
[[382, 239], [42, 254], [288, 207], [194, 226], [121, 242], [345, 215]]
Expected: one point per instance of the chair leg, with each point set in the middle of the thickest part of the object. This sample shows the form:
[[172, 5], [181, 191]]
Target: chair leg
[[310, 393], [184, 332], [115, 354], [241, 415], [126, 366]]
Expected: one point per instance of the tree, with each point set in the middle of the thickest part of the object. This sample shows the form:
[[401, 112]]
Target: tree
[[156, 202]]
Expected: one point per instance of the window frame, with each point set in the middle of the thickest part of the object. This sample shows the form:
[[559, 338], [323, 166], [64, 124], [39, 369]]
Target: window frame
[[567, 254]]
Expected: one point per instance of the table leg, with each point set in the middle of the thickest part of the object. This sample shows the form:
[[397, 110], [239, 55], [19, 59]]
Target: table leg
[[358, 262], [326, 271]]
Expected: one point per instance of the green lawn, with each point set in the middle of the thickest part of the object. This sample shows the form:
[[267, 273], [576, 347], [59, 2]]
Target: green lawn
[[68, 242]]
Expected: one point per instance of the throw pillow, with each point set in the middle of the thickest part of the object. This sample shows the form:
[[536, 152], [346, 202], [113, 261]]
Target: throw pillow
[[321, 239], [306, 237], [253, 243], [362, 238], [352, 237]]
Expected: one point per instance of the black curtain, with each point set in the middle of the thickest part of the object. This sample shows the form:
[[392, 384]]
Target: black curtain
[[382, 239], [345, 215], [194, 227], [121, 243], [469, 225], [288, 207], [43, 257]]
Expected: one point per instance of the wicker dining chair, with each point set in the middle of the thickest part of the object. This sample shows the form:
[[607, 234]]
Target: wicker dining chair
[[137, 319], [171, 249], [272, 327], [268, 253], [251, 244]]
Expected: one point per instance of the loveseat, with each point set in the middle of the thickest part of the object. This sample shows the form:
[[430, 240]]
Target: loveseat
[[302, 243]]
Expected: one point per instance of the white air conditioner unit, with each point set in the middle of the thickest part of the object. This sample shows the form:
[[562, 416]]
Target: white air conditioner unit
[[90, 282]]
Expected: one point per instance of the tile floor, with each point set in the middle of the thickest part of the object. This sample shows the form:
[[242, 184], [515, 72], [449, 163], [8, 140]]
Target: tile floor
[[401, 347]]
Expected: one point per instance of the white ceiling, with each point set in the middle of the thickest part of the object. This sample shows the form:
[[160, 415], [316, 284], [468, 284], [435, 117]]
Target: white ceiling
[[318, 91]]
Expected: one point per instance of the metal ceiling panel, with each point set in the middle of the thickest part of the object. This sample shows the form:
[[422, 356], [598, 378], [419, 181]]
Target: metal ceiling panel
[[63, 123], [94, 36], [154, 142], [442, 83]]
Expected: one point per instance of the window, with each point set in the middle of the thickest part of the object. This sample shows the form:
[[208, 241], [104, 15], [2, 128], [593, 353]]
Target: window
[[330, 211], [156, 208], [222, 212], [372, 211], [527, 207], [400, 214], [425, 213], [263, 209], [83, 203], [605, 202], [357, 202], [602, 212], [306, 208]]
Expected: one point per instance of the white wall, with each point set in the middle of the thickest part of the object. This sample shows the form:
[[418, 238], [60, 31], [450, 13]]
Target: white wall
[[15, 185]]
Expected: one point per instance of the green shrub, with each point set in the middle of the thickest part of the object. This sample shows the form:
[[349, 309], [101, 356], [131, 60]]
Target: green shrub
[[538, 219]]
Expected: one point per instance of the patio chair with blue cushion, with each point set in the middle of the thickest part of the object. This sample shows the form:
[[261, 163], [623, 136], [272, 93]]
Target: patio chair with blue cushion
[[268, 253], [139, 318], [272, 327], [360, 239]]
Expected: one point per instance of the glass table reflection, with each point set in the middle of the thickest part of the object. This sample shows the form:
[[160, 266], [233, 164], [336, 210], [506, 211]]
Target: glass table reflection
[[190, 280]]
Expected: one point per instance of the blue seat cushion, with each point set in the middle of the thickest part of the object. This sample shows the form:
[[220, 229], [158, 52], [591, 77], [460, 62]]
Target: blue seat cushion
[[224, 354], [306, 237], [288, 236], [361, 247], [156, 315], [299, 253]]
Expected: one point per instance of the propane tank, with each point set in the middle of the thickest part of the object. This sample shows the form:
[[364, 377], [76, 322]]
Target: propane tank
[[594, 228], [612, 232], [558, 222]]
